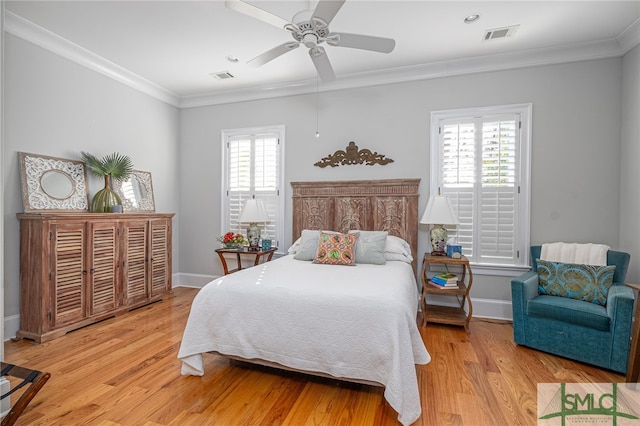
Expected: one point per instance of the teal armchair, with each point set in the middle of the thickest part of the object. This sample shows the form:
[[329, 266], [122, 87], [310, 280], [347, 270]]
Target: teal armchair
[[582, 331]]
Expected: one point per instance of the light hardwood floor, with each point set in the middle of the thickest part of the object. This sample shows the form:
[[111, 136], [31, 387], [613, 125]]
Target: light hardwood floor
[[124, 371]]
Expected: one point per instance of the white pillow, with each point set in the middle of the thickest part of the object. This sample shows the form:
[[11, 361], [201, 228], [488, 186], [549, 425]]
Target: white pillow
[[308, 245], [395, 248], [294, 247], [370, 246]]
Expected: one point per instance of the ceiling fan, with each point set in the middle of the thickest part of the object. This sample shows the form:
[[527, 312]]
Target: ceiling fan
[[311, 28]]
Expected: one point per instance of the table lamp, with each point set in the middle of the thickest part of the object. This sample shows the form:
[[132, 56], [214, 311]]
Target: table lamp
[[439, 212], [252, 213]]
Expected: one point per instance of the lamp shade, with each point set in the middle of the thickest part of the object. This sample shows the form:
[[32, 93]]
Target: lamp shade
[[439, 211], [253, 212]]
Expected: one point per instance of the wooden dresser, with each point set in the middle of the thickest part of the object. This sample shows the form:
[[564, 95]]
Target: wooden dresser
[[80, 268]]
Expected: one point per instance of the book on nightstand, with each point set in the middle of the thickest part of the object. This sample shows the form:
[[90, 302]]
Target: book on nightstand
[[445, 278], [443, 286]]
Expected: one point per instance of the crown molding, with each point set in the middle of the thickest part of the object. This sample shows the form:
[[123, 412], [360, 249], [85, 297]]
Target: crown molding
[[630, 37], [500, 62], [27, 30], [50, 41]]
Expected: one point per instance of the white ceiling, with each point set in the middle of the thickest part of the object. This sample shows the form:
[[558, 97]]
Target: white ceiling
[[174, 46]]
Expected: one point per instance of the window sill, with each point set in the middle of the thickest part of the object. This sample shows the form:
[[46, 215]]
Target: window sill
[[499, 270]]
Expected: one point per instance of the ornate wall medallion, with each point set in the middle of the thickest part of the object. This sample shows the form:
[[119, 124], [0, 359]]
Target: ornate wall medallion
[[353, 155]]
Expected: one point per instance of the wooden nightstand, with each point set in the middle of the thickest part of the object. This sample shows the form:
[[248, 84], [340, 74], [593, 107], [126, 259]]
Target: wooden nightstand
[[447, 314], [257, 254]]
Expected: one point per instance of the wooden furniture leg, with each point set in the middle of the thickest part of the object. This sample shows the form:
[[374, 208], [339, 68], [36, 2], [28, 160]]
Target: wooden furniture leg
[[35, 379], [633, 366], [258, 254]]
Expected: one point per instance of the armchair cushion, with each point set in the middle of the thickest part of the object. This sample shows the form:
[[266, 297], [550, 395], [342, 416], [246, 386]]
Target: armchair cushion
[[571, 311], [588, 283]]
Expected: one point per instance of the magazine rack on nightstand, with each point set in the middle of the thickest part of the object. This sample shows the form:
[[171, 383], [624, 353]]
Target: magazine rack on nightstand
[[447, 314]]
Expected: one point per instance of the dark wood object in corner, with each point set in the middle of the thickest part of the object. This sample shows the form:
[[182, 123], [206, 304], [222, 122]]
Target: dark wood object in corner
[[33, 380], [633, 366], [80, 268]]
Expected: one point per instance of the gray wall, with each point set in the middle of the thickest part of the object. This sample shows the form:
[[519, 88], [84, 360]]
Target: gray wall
[[58, 108], [630, 162], [575, 149]]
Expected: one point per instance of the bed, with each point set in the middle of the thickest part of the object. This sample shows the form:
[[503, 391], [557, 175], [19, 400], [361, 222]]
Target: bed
[[355, 323]]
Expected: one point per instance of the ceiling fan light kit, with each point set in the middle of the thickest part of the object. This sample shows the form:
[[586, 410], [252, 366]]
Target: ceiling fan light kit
[[311, 29]]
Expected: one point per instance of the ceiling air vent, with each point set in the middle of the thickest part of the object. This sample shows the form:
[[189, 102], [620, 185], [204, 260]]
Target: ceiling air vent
[[500, 32], [221, 75]]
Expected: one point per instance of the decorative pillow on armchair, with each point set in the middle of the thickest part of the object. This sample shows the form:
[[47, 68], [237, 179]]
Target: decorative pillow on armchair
[[336, 249], [582, 282]]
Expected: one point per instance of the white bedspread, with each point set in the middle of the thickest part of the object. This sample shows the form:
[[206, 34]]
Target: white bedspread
[[354, 322]]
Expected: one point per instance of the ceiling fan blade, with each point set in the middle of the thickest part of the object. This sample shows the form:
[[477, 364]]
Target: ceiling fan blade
[[257, 13], [322, 64], [271, 54], [359, 41], [326, 10]]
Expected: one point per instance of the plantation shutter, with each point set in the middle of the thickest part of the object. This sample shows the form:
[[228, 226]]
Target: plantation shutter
[[266, 179], [479, 174], [252, 167]]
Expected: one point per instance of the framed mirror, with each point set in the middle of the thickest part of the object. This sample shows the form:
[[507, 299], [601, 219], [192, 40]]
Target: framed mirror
[[136, 192], [52, 184]]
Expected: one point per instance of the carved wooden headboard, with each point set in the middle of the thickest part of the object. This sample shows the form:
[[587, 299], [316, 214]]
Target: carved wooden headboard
[[372, 205]]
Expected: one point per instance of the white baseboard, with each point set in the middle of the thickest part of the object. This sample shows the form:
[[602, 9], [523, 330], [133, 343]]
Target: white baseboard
[[492, 309], [192, 280], [482, 308], [11, 326]]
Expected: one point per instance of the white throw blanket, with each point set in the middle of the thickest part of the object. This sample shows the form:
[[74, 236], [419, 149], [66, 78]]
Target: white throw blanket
[[354, 322], [584, 254]]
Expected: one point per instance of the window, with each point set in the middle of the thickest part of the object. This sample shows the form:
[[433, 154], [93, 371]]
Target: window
[[253, 168], [480, 160]]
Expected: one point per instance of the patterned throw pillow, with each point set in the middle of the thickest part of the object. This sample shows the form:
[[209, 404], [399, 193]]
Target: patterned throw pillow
[[308, 244], [582, 282], [336, 249]]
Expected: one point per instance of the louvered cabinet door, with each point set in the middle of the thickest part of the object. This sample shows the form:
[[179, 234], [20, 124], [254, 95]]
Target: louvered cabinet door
[[79, 268], [67, 274], [135, 259], [160, 259], [103, 268]]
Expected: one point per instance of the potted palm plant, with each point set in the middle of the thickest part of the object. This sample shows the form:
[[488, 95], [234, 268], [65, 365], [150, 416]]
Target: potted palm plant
[[114, 166]]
